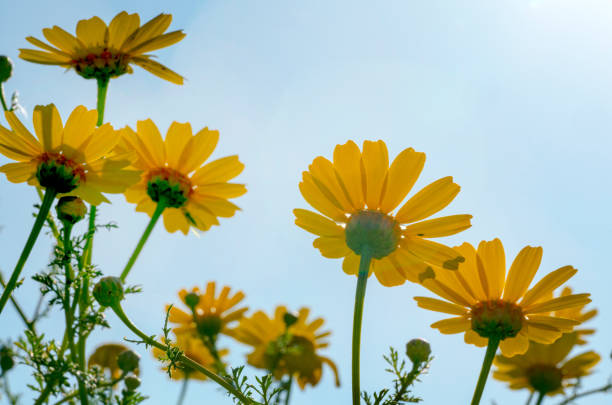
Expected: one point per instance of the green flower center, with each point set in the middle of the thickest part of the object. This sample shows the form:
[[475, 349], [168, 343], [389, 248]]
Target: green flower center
[[209, 325], [497, 319], [102, 64], [372, 232], [544, 377], [59, 173], [170, 186]]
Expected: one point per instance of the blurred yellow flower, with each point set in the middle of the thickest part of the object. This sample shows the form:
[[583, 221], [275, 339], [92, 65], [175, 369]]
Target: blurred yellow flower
[[193, 348], [487, 303], [544, 368], [356, 194], [105, 357], [102, 52], [578, 313], [208, 314], [70, 159], [286, 345], [192, 194]]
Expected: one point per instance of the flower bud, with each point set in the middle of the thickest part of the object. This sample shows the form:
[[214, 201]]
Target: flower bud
[[192, 299], [418, 351], [6, 359], [70, 209], [128, 361], [131, 382], [6, 68], [289, 319], [108, 291]]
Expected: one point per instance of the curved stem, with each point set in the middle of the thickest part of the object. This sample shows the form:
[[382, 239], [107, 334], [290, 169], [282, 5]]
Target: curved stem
[[181, 397], [143, 239], [4, 107], [486, 367], [182, 358], [362, 279], [40, 220], [602, 389], [102, 88], [541, 395]]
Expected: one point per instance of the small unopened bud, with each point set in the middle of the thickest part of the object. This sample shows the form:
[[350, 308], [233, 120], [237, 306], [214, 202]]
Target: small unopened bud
[[192, 299], [6, 359], [6, 68], [289, 319], [108, 291], [418, 351], [128, 361], [71, 209], [132, 382]]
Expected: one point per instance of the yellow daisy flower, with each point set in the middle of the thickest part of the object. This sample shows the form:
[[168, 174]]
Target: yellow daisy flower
[[174, 180], [208, 314], [67, 159], [489, 304], [105, 357], [545, 368], [193, 348], [357, 192], [103, 52], [286, 345]]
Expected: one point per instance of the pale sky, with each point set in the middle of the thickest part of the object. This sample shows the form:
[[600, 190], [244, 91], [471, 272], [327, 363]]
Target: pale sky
[[511, 98]]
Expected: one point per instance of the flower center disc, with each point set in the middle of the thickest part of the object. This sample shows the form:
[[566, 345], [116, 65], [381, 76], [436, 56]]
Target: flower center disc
[[372, 232], [102, 64], [544, 377], [57, 172], [497, 319], [170, 186]]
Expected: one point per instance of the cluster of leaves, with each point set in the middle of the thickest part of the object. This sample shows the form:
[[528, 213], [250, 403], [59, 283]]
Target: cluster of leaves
[[264, 387]]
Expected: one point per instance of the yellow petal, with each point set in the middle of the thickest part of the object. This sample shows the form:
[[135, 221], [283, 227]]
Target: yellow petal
[[13, 146], [439, 227], [542, 333], [556, 304], [120, 28], [446, 292], [580, 365], [158, 42], [92, 32], [452, 325], [332, 247], [158, 69], [467, 275], [386, 273], [151, 29], [198, 150], [174, 220], [48, 126], [43, 58], [62, 39], [41, 44], [350, 264], [409, 266], [218, 171], [428, 201], [547, 284], [433, 252], [493, 259], [101, 143], [347, 163], [325, 178], [376, 164], [177, 138], [217, 206], [152, 139], [23, 139], [222, 190], [521, 272], [433, 304], [564, 325], [318, 200], [474, 338], [404, 172], [317, 224], [513, 346], [80, 125], [19, 172], [89, 194], [202, 217]]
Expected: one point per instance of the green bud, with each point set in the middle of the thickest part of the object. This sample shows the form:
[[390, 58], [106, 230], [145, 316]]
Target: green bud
[[128, 361], [131, 382], [108, 291], [71, 209], [192, 299], [6, 359], [6, 68], [418, 350], [289, 319]]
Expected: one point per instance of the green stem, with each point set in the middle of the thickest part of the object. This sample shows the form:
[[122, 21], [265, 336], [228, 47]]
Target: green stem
[[143, 239], [181, 397], [289, 385], [50, 221], [541, 395], [4, 107], [362, 279], [29, 324], [42, 398], [188, 362], [571, 399], [40, 219], [530, 398], [102, 88], [486, 367]]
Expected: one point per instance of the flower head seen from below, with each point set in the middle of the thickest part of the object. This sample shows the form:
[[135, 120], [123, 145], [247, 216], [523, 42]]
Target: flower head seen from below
[[356, 194], [193, 194], [193, 348], [546, 368], [488, 304], [105, 357], [286, 344], [69, 158], [208, 314], [102, 52]]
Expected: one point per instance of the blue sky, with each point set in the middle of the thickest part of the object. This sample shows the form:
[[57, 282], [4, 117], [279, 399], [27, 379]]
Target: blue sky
[[512, 98]]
